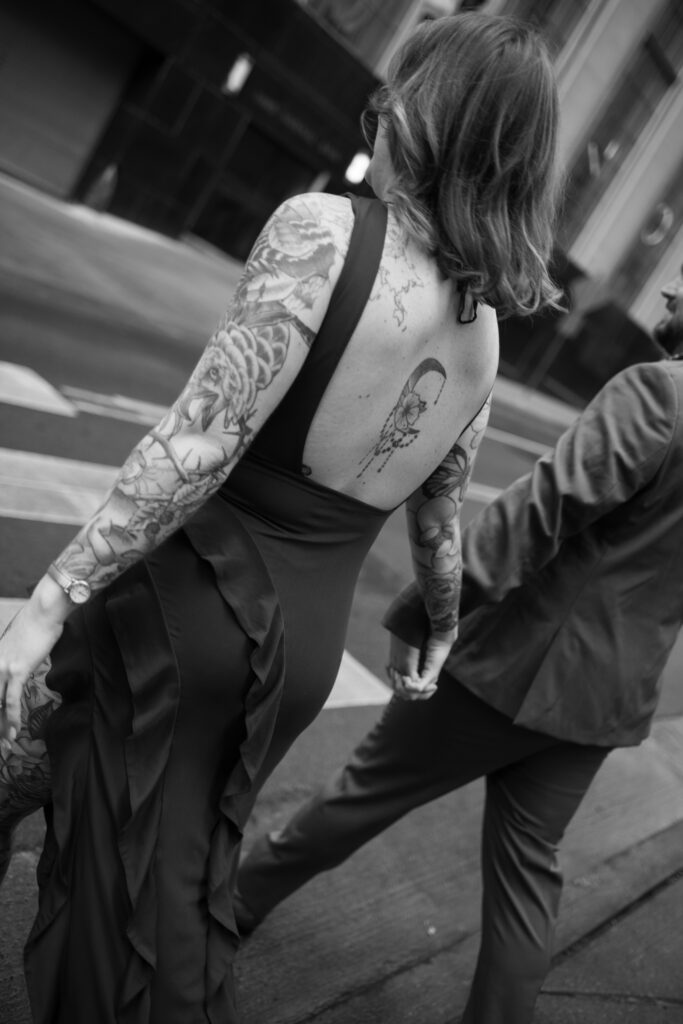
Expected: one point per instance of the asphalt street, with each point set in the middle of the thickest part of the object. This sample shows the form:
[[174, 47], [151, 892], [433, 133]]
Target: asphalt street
[[111, 319]]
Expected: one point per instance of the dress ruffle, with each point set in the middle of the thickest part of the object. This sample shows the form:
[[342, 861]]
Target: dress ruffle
[[219, 537], [245, 585]]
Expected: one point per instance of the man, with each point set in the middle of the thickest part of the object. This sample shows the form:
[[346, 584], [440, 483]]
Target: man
[[572, 599]]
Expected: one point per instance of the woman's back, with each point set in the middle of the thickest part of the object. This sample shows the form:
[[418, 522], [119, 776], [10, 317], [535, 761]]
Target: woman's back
[[411, 379], [410, 376]]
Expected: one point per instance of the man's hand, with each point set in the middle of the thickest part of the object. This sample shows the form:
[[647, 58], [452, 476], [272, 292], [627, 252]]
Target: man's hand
[[414, 673]]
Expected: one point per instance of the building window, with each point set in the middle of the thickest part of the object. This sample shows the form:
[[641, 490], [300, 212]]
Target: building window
[[633, 101], [555, 19], [366, 26], [662, 223]]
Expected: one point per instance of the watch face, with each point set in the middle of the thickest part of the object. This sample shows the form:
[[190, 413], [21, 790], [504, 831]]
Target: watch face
[[79, 591]]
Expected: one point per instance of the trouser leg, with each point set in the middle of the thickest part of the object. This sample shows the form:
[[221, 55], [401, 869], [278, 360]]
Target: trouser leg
[[528, 807], [382, 780], [417, 752]]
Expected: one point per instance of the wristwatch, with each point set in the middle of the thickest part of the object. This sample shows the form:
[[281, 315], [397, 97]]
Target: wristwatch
[[77, 591]]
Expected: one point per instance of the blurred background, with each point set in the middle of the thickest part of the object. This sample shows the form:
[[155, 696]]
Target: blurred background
[[197, 117]]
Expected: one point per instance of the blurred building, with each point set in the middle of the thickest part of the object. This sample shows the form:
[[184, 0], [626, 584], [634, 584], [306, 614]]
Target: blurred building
[[619, 65], [620, 74], [201, 115], [183, 115]]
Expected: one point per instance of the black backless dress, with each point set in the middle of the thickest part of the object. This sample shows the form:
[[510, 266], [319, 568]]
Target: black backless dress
[[183, 684]]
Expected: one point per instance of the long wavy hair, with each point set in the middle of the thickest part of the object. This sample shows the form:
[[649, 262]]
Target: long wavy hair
[[470, 110]]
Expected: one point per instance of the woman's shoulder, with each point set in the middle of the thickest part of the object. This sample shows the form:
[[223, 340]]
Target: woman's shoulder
[[320, 214], [313, 219]]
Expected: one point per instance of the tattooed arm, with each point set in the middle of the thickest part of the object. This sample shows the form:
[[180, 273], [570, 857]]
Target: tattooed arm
[[434, 530], [245, 370]]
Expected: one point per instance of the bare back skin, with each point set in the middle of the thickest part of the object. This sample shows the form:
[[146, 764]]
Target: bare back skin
[[410, 381]]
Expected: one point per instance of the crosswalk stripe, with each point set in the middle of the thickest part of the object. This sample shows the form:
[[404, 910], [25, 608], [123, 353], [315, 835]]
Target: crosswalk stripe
[[133, 410], [50, 489], [482, 493], [20, 385], [523, 444]]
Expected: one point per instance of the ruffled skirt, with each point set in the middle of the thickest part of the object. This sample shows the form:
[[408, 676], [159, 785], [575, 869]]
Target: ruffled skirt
[[171, 682]]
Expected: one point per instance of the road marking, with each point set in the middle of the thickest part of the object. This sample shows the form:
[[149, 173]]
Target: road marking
[[49, 489], [118, 407], [514, 441], [356, 686], [482, 493], [19, 385]]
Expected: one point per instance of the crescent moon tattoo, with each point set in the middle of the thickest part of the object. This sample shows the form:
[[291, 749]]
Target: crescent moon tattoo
[[400, 427]]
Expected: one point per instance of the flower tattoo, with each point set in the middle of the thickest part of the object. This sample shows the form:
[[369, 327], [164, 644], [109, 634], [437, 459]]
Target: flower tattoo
[[400, 427]]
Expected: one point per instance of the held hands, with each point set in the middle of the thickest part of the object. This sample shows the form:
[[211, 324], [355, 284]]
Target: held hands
[[414, 673], [26, 642]]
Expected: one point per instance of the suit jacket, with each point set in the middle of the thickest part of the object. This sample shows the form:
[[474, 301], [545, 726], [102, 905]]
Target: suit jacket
[[572, 591]]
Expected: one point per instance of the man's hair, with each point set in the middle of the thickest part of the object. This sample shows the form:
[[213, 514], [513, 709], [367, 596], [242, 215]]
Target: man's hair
[[470, 109]]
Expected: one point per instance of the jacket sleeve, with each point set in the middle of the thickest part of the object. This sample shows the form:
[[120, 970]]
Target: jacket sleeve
[[613, 450]]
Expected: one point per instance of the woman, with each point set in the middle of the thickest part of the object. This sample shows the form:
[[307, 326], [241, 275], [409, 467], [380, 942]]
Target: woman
[[197, 621]]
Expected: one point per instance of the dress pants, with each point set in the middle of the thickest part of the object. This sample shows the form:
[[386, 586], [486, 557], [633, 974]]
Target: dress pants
[[417, 752]]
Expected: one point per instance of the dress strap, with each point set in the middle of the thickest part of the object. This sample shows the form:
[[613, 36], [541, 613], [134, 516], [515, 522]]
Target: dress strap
[[282, 439]]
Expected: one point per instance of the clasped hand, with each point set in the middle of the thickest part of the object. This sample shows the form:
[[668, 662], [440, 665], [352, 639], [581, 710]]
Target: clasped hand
[[26, 642], [414, 672]]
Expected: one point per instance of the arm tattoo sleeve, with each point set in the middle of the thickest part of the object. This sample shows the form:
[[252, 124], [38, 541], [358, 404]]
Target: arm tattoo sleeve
[[434, 527], [25, 768], [181, 462]]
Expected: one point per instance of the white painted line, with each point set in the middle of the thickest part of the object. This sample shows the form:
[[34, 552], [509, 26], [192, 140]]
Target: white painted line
[[112, 413], [355, 685], [19, 385], [481, 493], [514, 441], [48, 489], [533, 402], [118, 407], [78, 211], [114, 225]]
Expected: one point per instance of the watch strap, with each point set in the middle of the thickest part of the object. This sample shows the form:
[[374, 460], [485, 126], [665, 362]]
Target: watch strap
[[60, 577]]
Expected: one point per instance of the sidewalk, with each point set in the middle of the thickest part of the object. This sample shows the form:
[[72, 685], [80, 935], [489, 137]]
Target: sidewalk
[[390, 937]]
